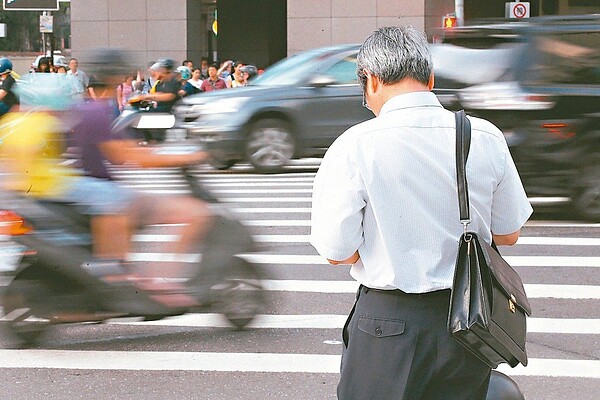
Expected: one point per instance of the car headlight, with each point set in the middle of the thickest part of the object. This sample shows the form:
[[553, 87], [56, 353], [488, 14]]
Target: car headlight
[[222, 106]]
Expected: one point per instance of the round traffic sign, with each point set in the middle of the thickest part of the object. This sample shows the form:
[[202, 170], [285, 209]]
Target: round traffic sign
[[519, 10]]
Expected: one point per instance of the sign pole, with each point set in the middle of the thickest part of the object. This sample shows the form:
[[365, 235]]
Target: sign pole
[[459, 11], [51, 38], [44, 38]]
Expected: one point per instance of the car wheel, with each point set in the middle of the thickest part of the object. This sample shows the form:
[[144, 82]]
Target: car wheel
[[587, 197], [270, 145]]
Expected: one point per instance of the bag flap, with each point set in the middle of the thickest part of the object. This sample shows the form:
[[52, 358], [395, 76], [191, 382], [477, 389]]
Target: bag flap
[[507, 278]]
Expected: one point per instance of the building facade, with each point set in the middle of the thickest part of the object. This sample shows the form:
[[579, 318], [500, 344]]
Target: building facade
[[264, 31]]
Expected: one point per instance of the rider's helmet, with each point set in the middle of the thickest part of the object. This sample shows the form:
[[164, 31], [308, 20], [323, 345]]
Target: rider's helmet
[[167, 63], [106, 66], [6, 66], [250, 70], [185, 72]]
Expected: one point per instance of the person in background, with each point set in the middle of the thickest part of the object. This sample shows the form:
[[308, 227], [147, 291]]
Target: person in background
[[151, 78], [196, 79], [140, 83], [236, 78], [186, 87], [188, 63], [204, 64], [213, 82], [247, 72], [8, 98], [80, 81], [124, 92], [61, 66], [225, 71], [166, 89], [385, 200], [44, 65]]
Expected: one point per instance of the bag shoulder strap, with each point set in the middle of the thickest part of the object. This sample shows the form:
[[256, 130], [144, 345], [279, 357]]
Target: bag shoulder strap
[[463, 144]]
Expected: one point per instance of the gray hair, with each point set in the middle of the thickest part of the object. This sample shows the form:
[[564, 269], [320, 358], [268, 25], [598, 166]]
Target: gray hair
[[395, 53]]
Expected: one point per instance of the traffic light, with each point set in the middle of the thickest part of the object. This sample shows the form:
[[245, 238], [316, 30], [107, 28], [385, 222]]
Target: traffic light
[[449, 21]]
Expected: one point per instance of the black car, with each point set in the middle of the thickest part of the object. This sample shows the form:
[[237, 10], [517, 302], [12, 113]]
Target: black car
[[538, 81], [296, 108]]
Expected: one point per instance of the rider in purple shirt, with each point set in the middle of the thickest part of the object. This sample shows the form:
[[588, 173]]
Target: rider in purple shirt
[[115, 209], [90, 132]]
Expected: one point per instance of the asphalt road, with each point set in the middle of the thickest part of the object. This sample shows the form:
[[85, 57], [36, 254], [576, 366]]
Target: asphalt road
[[291, 351]]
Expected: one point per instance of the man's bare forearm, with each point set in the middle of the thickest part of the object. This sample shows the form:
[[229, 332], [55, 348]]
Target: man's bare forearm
[[350, 260]]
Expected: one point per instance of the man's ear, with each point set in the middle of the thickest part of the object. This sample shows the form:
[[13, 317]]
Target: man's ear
[[373, 82], [431, 82]]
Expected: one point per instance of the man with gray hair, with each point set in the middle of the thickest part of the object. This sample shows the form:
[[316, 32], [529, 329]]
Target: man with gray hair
[[385, 200]]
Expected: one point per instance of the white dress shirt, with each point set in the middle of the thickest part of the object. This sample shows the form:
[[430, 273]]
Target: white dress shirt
[[80, 82], [387, 188]]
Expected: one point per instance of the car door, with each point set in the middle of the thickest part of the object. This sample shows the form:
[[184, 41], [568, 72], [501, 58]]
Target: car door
[[329, 109]]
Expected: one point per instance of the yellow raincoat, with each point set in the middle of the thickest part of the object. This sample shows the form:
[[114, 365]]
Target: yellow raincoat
[[31, 145]]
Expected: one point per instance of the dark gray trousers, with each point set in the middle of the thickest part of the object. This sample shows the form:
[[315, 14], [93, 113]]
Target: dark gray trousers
[[397, 346]]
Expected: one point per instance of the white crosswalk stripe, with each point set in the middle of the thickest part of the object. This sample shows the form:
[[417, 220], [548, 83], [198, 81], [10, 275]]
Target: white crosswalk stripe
[[296, 259], [241, 362], [277, 209], [539, 241]]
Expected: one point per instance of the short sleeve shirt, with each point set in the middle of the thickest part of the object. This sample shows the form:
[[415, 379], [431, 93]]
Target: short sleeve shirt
[[189, 88], [93, 129], [209, 85], [168, 86], [8, 84], [79, 81], [387, 188]]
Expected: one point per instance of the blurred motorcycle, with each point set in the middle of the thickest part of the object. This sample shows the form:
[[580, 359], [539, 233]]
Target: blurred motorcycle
[[56, 280]]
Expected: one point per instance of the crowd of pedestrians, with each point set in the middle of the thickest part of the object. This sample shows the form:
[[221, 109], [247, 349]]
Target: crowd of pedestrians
[[162, 83], [165, 83]]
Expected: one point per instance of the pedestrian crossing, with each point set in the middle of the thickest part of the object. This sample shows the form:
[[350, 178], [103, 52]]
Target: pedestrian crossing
[[277, 210]]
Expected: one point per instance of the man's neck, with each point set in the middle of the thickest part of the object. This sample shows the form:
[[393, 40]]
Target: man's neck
[[386, 92]]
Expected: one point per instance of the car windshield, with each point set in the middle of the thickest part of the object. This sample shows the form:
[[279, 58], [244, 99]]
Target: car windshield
[[294, 69]]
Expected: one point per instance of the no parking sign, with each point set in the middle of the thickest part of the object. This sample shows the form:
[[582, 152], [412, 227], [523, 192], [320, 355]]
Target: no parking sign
[[517, 10]]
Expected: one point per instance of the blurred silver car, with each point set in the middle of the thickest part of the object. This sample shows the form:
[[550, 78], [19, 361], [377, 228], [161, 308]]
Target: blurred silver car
[[296, 108]]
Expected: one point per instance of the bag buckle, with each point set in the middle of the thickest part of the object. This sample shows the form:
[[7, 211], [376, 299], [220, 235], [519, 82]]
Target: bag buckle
[[511, 304], [467, 237], [465, 223]]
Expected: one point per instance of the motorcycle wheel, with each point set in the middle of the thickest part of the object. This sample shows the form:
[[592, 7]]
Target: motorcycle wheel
[[240, 294], [25, 303]]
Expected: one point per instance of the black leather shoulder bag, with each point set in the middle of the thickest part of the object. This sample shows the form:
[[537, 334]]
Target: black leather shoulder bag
[[488, 305]]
